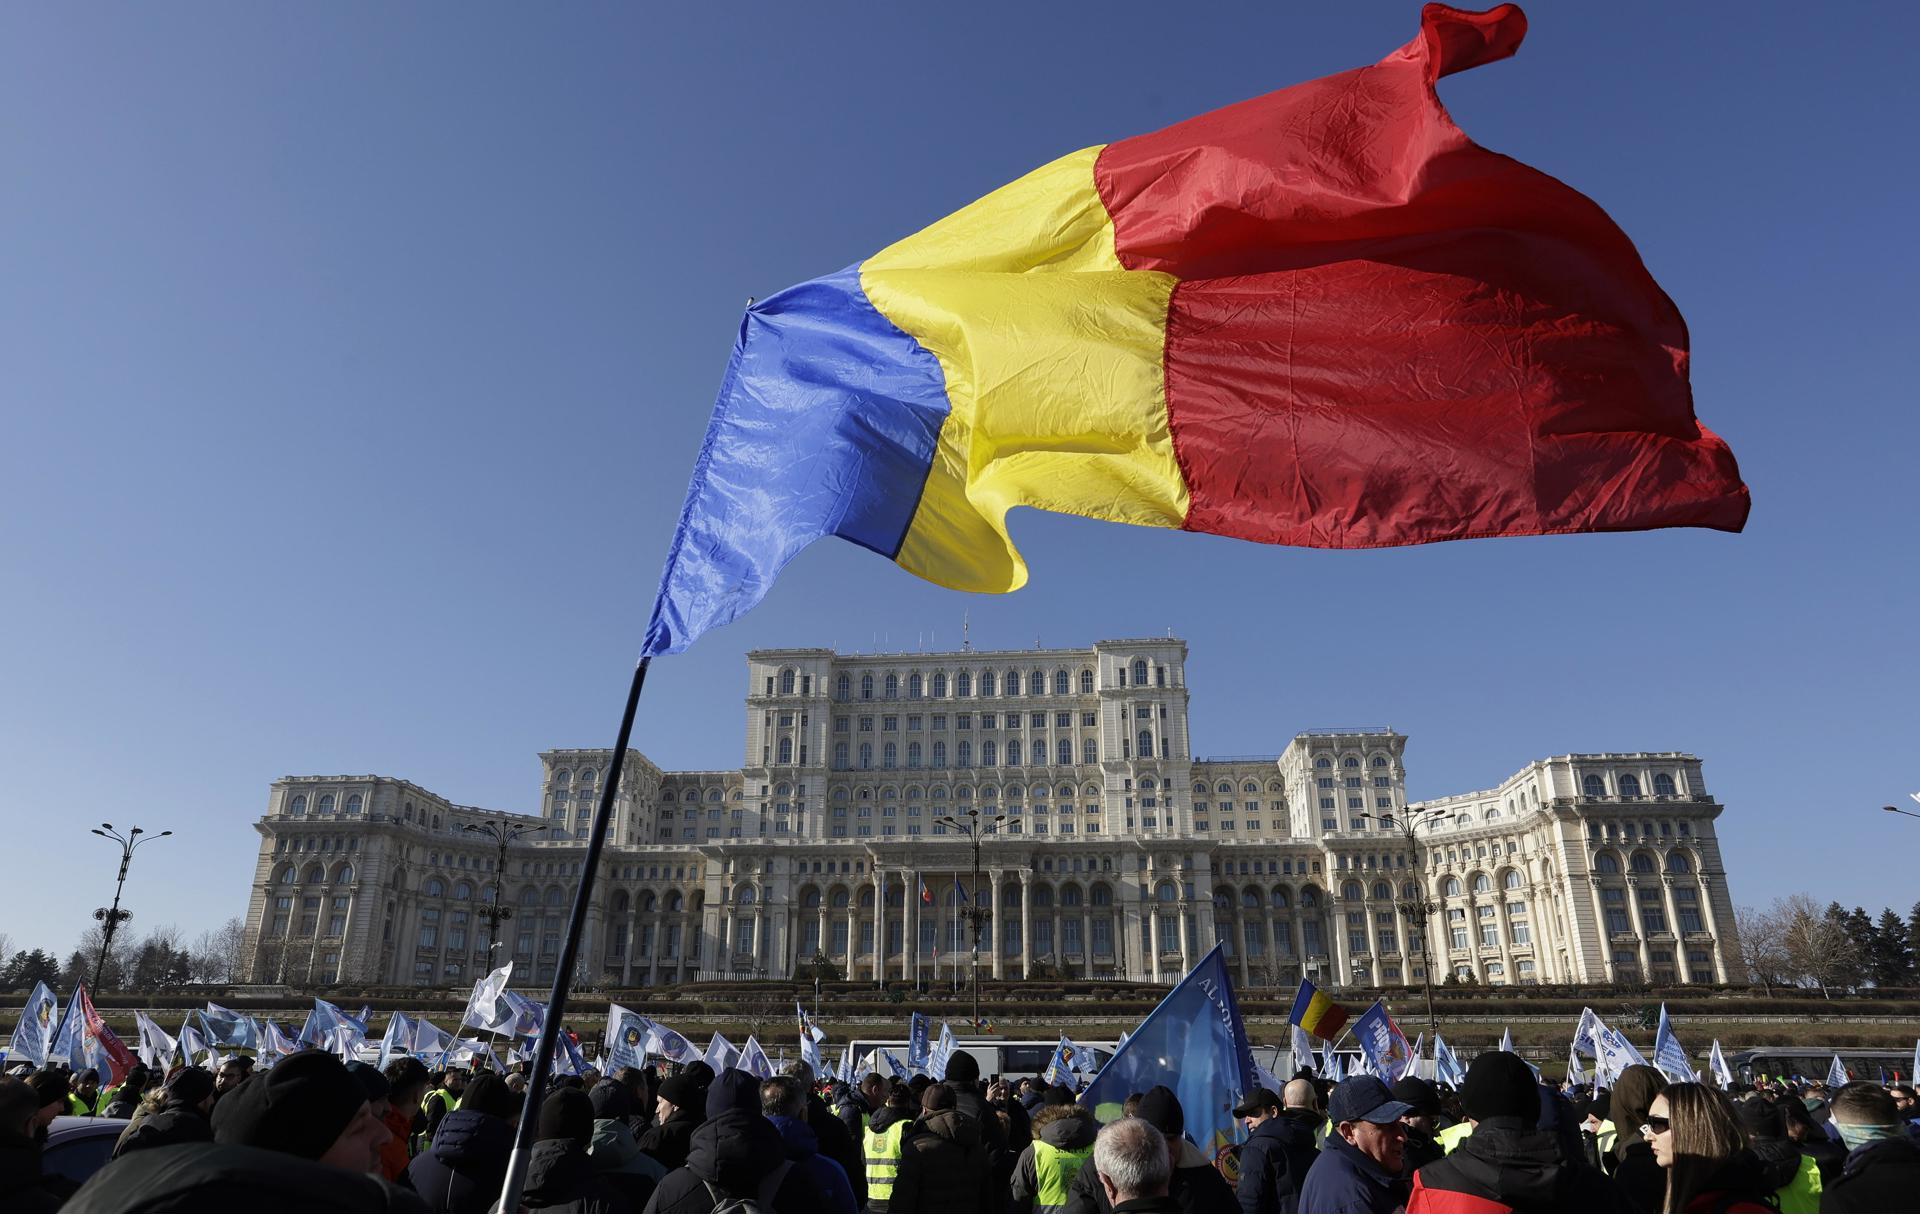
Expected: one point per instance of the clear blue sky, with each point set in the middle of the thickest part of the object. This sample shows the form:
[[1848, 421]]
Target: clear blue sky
[[354, 358]]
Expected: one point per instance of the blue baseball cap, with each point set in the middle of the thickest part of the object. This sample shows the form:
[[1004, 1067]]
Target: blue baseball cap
[[1365, 1098]]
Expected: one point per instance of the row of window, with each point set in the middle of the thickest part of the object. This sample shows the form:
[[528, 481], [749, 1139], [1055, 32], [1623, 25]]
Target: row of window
[[890, 723], [1593, 784], [989, 754]]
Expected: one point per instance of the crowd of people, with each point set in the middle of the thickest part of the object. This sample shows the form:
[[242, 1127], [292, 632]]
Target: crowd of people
[[314, 1133]]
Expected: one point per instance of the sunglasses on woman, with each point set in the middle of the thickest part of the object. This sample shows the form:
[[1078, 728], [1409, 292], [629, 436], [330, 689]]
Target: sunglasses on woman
[[1655, 1125]]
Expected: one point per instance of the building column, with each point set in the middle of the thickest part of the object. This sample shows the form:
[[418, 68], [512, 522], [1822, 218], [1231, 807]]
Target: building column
[[653, 950], [1711, 921], [1337, 947], [1673, 925], [1026, 924], [346, 931], [853, 935], [1607, 973], [910, 929], [1151, 909], [1640, 927], [633, 942], [822, 941], [879, 925], [725, 959], [1086, 942], [999, 953]]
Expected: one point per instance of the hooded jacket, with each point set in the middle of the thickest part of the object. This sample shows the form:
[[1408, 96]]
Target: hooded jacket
[[734, 1152], [1196, 1188], [561, 1178], [461, 1172], [1879, 1177], [21, 1180], [803, 1147], [1631, 1163], [616, 1155], [1274, 1162], [944, 1168], [1506, 1168], [1345, 1180], [837, 1144], [169, 1125], [1738, 1187], [195, 1177], [670, 1141], [1071, 1128]]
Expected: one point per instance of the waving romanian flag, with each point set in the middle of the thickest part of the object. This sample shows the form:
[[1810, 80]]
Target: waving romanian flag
[[1321, 317], [1314, 1012]]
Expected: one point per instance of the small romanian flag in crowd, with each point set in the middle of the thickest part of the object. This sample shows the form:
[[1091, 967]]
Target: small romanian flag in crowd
[[1316, 1013], [1321, 317]]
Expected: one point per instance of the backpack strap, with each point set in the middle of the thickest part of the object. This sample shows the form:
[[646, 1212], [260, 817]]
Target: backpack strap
[[772, 1183]]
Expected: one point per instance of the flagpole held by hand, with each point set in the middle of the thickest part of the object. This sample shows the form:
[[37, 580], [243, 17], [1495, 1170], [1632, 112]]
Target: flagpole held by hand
[[563, 976]]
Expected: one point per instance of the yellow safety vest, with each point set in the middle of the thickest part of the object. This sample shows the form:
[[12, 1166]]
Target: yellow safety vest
[[1605, 1136], [1053, 1173], [883, 1162], [1453, 1136]]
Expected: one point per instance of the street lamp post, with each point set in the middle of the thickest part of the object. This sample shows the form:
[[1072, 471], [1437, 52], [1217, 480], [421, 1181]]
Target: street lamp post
[[502, 833], [1895, 809], [110, 918], [1420, 908], [976, 916]]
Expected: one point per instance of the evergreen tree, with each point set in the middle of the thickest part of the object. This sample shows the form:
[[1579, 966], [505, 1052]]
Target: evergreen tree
[[1913, 932], [1892, 956], [38, 966]]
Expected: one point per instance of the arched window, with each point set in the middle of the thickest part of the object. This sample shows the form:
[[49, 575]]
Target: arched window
[[326, 804], [841, 898], [675, 902], [287, 875], [1629, 786], [1643, 863], [1593, 786], [964, 753], [940, 685], [843, 688], [1063, 751], [1482, 884], [786, 751], [1086, 682], [1351, 891], [1677, 862], [1139, 672], [1379, 760], [1382, 891], [1013, 682], [1309, 898], [1061, 683], [529, 896], [1013, 752], [353, 805], [963, 685], [1511, 880], [745, 897], [1350, 761], [786, 682], [1606, 862], [914, 686], [810, 899], [463, 890], [866, 687], [986, 683], [1167, 892], [1322, 762], [436, 888], [1089, 751], [553, 896], [1662, 784], [1070, 895], [1279, 898], [1102, 895], [645, 901], [1147, 782], [298, 808], [1146, 744], [866, 756], [889, 756], [1452, 887], [892, 691], [913, 757], [989, 754]]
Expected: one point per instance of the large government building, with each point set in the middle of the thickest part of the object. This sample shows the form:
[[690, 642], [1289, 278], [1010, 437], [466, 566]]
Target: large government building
[[1105, 848]]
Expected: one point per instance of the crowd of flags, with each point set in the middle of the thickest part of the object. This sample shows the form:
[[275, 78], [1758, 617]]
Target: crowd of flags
[[1195, 1036]]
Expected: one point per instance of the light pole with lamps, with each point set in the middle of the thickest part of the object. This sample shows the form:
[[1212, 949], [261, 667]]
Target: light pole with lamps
[[1420, 908], [110, 918], [976, 916], [502, 832], [1895, 809]]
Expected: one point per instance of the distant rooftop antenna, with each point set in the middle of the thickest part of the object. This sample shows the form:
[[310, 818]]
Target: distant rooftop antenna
[[966, 633]]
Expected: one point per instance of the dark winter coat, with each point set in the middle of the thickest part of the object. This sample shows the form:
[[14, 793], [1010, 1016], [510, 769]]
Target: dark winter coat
[[837, 1144], [1738, 1187], [197, 1177], [560, 1177], [1422, 1149], [735, 1152], [1344, 1180], [1829, 1155], [461, 1172], [617, 1156], [670, 1141], [20, 1177], [803, 1147], [1641, 1177], [169, 1125], [1196, 1188], [1503, 1167], [1274, 1162], [1881, 1177], [943, 1168]]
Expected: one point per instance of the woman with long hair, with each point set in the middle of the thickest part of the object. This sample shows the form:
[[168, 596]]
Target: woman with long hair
[[1699, 1141], [1631, 1162]]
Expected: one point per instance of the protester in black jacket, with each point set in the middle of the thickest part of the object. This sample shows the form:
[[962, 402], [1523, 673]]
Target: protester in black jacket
[[1830, 1156], [1283, 1145], [737, 1153], [943, 1165], [461, 1172], [1196, 1186], [126, 1097], [26, 1189], [197, 1177], [679, 1110], [560, 1177], [180, 1116], [1509, 1160], [1882, 1172], [835, 1141]]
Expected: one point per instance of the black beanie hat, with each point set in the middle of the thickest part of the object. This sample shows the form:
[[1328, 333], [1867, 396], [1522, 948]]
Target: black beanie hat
[[489, 1094], [370, 1080], [611, 1102], [1160, 1108], [963, 1068], [567, 1115], [190, 1085], [1057, 1095], [734, 1089], [53, 1087], [682, 1092], [1413, 1090], [299, 1107], [700, 1072], [1500, 1084]]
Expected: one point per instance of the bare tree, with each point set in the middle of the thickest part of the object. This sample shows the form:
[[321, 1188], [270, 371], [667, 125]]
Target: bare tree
[[1819, 950], [1763, 941], [219, 956]]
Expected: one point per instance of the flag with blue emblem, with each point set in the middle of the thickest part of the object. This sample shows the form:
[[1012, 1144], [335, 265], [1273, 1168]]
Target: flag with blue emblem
[[1836, 1073], [1384, 1045], [229, 1029], [942, 1053], [721, 1053], [431, 1043], [847, 1073], [626, 1038], [487, 1007], [1616, 1054], [754, 1060], [1585, 1034], [39, 1022], [1670, 1059], [900, 1069], [919, 1047], [1196, 1043], [1446, 1067], [669, 1044], [1060, 1068]]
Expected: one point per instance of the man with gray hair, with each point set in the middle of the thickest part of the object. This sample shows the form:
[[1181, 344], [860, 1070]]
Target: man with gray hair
[[783, 1100], [1135, 1167], [836, 1141]]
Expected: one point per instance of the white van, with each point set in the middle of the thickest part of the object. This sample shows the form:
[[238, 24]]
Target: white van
[[996, 1056]]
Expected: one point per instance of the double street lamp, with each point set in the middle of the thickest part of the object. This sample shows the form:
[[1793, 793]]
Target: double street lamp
[[975, 915], [1420, 908], [110, 918], [502, 833]]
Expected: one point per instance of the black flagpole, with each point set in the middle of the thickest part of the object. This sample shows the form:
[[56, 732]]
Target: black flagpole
[[563, 977]]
